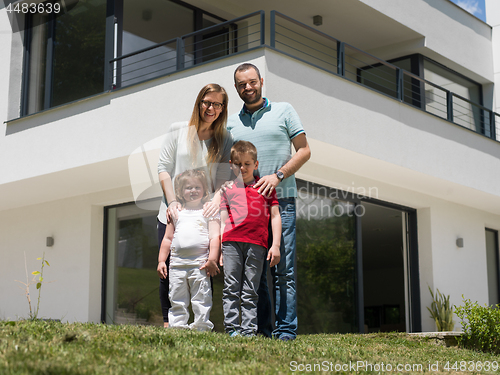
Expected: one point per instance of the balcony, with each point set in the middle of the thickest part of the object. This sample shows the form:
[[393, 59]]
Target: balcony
[[310, 46]]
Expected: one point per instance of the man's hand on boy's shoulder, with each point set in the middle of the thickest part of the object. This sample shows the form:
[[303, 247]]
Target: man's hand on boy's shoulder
[[267, 184]]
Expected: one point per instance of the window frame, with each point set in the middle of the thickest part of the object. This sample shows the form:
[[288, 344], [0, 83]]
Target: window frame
[[49, 60]]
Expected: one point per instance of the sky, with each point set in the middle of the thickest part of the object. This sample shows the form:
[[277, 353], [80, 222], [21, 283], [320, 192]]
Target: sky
[[475, 7]]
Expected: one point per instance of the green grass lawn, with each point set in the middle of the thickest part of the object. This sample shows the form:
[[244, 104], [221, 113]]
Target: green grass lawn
[[40, 347]]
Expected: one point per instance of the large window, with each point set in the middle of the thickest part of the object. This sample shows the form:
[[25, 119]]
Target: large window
[[463, 112], [432, 98], [65, 53], [64, 59], [146, 23], [383, 78]]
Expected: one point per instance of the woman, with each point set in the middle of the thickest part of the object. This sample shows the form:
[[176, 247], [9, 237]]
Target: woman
[[202, 143]]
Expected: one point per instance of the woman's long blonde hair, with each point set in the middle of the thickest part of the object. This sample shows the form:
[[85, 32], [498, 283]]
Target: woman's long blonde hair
[[219, 125]]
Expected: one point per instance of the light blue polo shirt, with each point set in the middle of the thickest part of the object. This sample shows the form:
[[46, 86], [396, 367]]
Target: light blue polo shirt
[[271, 129]]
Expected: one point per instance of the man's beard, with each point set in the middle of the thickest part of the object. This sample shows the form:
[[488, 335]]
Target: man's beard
[[257, 98]]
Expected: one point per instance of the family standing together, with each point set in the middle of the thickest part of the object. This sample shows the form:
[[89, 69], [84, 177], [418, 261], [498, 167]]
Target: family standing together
[[229, 200]]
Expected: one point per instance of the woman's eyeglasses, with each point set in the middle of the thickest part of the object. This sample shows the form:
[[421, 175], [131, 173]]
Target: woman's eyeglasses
[[206, 104]]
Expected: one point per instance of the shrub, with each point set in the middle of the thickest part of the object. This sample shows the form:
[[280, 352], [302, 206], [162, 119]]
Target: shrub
[[441, 311], [481, 326]]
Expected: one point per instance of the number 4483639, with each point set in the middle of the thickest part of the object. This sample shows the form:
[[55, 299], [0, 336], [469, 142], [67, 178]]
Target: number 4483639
[[45, 7], [471, 366]]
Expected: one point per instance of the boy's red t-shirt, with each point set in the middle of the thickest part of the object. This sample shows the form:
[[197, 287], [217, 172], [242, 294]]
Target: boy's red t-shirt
[[248, 214]]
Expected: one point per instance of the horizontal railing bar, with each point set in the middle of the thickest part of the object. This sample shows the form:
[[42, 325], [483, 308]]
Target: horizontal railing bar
[[377, 84], [314, 49], [149, 73], [143, 50], [139, 61], [370, 73], [455, 104], [370, 55], [142, 67], [219, 25], [471, 102], [218, 36], [229, 40], [315, 58], [185, 36]]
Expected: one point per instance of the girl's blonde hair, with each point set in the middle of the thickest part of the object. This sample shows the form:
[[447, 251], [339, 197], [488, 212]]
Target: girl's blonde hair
[[181, 180], [219, 125]]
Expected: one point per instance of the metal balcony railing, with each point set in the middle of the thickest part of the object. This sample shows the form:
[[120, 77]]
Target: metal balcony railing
[[215, 42], [311, 46]]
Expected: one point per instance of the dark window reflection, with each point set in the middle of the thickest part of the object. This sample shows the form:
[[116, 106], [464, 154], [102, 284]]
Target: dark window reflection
[[326, 262]]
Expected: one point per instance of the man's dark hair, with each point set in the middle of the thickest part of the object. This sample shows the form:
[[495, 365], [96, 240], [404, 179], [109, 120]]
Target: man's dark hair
[[244, 67]]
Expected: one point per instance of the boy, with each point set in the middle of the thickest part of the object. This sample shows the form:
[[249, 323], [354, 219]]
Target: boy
[[245, 221]]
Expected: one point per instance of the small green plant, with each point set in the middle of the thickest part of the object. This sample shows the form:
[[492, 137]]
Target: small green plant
[[481, 326], [441, 311], [28, 283]]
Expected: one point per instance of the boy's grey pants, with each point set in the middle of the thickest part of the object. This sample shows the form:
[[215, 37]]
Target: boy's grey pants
[[243, 264]]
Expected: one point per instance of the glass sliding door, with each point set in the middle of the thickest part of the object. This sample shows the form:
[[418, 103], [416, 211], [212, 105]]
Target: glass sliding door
[[131, 260], [385, 274], [492, 266], [326, 262], [356, 267]]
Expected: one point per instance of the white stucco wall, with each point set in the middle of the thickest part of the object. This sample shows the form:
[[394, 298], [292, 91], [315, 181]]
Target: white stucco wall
[[61, 167], [457, 271], [452, 36], [73, 281]]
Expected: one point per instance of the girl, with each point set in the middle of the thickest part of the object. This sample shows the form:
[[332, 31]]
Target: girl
[[200, 143], [193, 242]]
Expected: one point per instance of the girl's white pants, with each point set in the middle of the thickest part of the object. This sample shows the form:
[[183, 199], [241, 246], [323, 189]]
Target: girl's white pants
[[190, 283]]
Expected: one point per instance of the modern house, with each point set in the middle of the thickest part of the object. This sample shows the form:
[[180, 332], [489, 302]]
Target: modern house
[[401, 108]]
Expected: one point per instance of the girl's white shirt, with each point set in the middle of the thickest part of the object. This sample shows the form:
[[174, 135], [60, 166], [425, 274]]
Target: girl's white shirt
[[190, 245]]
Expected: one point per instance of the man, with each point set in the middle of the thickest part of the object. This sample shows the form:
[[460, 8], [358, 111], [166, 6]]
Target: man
[[273, 128]]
